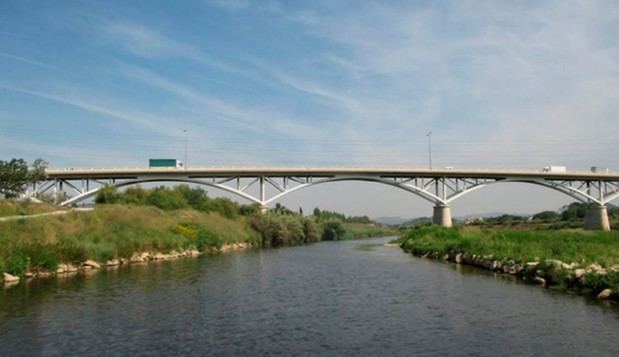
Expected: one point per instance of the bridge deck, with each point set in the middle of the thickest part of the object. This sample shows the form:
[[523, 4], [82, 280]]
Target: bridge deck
[[112, 173]]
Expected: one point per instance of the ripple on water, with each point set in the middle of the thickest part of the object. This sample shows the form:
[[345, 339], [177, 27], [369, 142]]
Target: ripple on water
[[333, 298]]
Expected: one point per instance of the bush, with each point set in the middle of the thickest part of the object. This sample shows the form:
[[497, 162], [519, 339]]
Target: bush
[[311, 230], [16, 263], [333, 230], [207, 239], [249, 210], [70, 251], [42, 256], [547, 216], [195, 197], [134, 195], [107, 194], [198, 236], [595, 283], [166, 199], [225, 207]]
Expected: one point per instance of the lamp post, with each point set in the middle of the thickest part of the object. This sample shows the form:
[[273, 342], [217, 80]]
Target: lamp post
[[186, 143], [429, 135]]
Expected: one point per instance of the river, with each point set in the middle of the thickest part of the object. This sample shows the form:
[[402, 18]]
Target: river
[[331, 298]]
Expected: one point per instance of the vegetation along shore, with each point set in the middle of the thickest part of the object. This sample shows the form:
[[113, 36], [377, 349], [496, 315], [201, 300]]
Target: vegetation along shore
[[140, 225], [582, 261]]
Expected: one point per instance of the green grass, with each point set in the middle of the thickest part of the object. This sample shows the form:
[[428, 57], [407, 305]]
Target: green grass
[[583, 247], [112, 231], [14, 208], [366, 230]]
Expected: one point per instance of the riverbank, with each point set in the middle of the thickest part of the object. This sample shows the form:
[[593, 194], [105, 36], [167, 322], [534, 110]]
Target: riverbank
[[581, 261], [117, 234], [10, 208], [112, 235]]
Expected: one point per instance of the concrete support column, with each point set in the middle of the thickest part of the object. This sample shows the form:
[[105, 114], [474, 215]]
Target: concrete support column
[[442, 216], [597, 219], [264, 209]]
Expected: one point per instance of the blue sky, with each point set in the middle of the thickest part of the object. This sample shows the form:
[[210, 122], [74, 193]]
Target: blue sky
[[311, 83]]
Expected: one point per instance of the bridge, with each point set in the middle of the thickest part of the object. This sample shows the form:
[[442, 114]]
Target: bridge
[[263, 186]]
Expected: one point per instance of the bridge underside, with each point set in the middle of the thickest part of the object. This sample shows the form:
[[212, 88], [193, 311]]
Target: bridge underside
[[264, 189]]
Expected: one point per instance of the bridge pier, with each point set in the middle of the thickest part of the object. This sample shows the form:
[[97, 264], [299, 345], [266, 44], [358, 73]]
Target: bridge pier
[[597, 219], [442, 216]]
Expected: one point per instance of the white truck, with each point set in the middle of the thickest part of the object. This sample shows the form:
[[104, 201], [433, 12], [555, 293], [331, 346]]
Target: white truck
[[555, 169], [600, 170]]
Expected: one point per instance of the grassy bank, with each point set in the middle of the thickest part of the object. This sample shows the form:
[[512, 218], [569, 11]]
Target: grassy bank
[[110, 232], [576, 259], [583, 247], [23, 208], [366, 230], [160, 220]]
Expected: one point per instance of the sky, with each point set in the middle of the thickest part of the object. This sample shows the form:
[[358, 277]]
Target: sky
[[518, 84]]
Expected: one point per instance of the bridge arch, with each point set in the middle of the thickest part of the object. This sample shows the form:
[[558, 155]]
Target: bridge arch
[[427, 196], [93, 192], [569, 191]]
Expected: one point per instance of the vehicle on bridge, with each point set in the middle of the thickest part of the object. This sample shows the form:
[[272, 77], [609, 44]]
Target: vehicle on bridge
[[164, 163], [555, 169]]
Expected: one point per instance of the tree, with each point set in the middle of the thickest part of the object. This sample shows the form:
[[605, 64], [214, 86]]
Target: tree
[[573, 211], [107, 194], [14, 176], [249, 210], [37, 172], [333, 230], [195, 197], [281, 209], [310, 230], [134, 195], [547, 216], [166, 199]]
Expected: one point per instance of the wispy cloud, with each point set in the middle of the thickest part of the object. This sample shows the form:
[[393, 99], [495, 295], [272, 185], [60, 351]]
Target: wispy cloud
[[144, 41], [234, 115], [230, 5], [29, 61], [141, 120]]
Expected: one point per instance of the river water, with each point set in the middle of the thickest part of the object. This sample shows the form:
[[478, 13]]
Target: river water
[[331, 298]]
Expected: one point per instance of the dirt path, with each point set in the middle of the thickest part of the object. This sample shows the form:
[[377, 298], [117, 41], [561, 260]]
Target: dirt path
[[54, 213]]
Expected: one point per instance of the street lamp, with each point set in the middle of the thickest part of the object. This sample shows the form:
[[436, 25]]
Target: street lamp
[[186, 143], [429, 135]]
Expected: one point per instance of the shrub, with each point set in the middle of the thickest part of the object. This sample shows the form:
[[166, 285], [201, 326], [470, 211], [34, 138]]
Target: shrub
[[134, 195], [225, 207], [166, 199], [107, 194], [42, 256], [207, 239], [195, 197], [311, 230], [333, 230], [595, 283], [198, 236], [249, 210], [16, 263], [69, 250]]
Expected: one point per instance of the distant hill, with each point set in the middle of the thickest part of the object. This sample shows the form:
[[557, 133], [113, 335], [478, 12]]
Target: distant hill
[[417, 220], [391, 221]]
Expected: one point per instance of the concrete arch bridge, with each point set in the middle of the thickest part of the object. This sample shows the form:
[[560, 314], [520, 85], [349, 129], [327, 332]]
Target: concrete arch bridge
[[263, 186]]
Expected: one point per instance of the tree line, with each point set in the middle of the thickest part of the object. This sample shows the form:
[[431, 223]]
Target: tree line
[[16, 175], [278, 226]]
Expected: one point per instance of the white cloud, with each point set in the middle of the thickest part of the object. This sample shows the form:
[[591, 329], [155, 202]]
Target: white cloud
[[230, 5], [69, 97], [29, 61]]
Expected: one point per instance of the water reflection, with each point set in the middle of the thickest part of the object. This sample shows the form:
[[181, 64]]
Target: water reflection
[[332, 298]]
